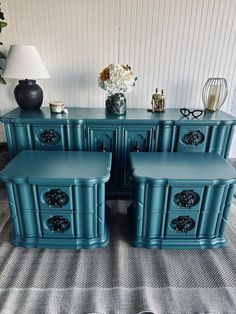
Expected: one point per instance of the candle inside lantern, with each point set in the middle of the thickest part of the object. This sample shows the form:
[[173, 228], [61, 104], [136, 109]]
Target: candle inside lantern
[[213, 97]]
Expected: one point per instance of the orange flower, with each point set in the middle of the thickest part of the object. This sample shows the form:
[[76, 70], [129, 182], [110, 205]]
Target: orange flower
[[104, 75]]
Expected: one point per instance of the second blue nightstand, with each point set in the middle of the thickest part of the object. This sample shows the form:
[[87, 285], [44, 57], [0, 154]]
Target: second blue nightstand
[[181, 200]]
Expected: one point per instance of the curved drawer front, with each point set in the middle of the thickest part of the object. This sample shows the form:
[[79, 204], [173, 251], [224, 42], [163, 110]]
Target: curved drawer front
[[55, 198], [182, 225], [48, 137], [192, 138], [185, 198], [57, 225]]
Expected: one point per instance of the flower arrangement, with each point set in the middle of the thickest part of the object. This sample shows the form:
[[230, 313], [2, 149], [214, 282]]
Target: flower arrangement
[[116, 78]]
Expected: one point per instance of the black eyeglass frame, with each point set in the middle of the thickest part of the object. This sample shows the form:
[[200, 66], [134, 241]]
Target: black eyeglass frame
[[196, 113]]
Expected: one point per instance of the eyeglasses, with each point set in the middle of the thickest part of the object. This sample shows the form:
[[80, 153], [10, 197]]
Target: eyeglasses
[[195, 113]]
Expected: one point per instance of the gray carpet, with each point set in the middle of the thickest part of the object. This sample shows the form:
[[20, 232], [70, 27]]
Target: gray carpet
[[118, 278]]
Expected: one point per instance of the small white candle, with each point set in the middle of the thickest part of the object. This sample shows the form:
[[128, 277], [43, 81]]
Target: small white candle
[[56, 106], [213, 97]]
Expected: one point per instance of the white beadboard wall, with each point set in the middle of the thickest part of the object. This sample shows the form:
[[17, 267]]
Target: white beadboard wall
[[172, 44]]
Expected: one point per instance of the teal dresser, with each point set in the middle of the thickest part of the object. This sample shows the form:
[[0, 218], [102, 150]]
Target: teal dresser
[[178, 169], [84, 129], [57, 198], [180, 200]]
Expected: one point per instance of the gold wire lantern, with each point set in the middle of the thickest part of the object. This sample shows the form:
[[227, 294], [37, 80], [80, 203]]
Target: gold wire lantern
[[214, 93]]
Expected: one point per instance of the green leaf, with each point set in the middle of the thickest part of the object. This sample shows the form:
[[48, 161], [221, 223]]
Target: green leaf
[[2, 81], [2, 56], [3, 24]]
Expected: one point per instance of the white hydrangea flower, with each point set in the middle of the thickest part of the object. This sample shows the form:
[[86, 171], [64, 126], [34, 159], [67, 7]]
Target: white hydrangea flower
[[116, 78]]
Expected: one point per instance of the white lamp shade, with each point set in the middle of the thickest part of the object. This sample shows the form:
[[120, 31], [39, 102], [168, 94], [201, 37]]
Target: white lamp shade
[[24, 62]]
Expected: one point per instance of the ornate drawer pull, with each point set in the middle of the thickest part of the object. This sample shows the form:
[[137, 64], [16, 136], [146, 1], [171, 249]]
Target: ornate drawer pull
[[193, 138], [183, 224], [137, 148], [102, 147], [49, 136], [58, 224], [134, 147], [186, 198], [56, 198]]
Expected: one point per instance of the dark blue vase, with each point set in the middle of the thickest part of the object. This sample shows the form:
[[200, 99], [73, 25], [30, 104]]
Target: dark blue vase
[[116, 104]]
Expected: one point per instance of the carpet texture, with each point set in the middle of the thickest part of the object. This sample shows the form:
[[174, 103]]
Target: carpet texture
[[118, 278]]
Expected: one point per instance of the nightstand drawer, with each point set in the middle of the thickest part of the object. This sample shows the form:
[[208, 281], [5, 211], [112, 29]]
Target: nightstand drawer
[[57, 225], [55, 198], [186, 198], [181, 225]]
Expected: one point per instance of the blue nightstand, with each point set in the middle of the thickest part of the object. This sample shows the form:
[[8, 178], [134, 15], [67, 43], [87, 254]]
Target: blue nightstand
[[57, 198], [180, 200]]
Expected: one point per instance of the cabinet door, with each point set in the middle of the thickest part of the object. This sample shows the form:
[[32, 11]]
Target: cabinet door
[[104, 138], [136, 138]]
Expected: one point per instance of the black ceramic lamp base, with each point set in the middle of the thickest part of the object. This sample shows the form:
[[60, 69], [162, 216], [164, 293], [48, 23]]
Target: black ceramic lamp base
[[29, 95]]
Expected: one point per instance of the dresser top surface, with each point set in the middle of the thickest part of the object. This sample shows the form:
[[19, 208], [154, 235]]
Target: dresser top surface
[[45, 165], [82, 114], [182, 166]]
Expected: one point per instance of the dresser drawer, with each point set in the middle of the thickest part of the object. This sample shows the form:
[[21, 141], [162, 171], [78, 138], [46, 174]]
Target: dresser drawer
[[57, 225], [55, 198], [48, 137], [192, 138], [181, 225], [186, 198]]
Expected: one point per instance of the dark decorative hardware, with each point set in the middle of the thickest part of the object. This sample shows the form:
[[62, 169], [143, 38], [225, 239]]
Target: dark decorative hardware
[[137, 148], [183, 224], [186, 198], [195, 113], [102, 147], [56, 198], [58, 224], [193, 138], [49, 136]]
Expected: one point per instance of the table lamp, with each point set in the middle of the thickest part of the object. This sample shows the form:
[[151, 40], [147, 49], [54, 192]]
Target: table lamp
[[24, 63]]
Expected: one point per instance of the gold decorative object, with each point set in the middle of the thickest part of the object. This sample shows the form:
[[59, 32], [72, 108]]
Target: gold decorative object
[[214, 93], [158, 101]]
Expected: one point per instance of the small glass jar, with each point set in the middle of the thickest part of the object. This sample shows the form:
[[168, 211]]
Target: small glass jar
[[56, 106]]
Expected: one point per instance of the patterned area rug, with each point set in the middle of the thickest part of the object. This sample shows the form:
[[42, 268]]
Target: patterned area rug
[[118, 278]]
